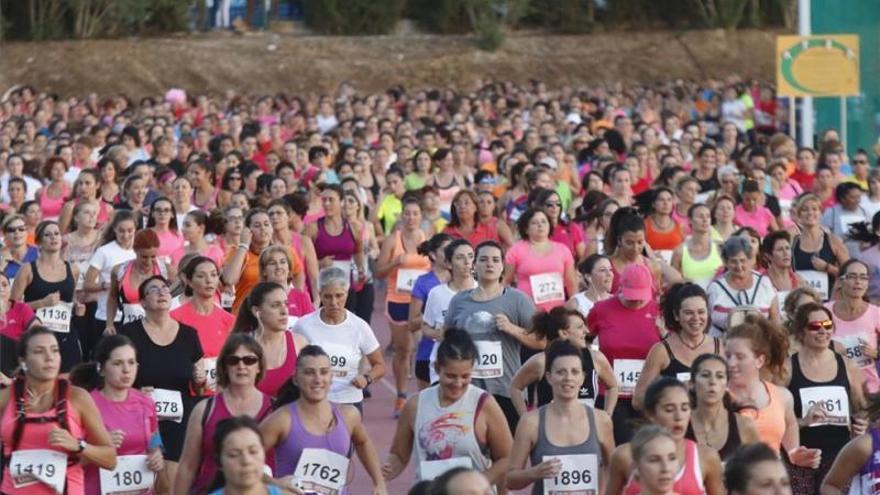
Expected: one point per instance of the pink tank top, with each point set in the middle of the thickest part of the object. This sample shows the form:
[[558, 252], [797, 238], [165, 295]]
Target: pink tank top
[[688, 481], [217, 413], [52, 206], [275, 377], [34, 437]]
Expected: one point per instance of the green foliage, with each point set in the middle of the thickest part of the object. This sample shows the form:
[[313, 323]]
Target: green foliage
[[564, 16], [353, 17], [441, 16]]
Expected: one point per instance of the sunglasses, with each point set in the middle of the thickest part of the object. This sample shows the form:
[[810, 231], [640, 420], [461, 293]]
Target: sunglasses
[[860, 162], [16, 229], [815, 326], [552, 204], [235, 360]]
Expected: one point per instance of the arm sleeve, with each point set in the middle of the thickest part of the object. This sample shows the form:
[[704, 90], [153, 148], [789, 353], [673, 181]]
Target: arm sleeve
[[368, 343], [98, 260]]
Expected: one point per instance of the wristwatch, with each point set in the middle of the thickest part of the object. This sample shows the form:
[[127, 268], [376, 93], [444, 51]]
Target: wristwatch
[[368, 378], [82, 446]]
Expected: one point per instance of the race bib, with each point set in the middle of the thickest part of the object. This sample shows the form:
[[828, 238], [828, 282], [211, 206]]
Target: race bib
[[489, 359], [817, 280], [211, 373], [833, 399], [57, 317], [130, 476], [406, 278], [628, 372], [853, 349], [28, 467], [132, 312], [578, 475], [321, 471], [343, 362], [665, 255], [227, 299], [169, 404], [683, 377], [428, 470], [547, 287]]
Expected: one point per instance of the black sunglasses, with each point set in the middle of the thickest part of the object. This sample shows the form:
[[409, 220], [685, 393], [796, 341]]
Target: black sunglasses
[[247, 360]]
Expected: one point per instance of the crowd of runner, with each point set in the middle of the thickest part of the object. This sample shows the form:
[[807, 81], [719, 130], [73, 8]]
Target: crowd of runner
[[607, 289]]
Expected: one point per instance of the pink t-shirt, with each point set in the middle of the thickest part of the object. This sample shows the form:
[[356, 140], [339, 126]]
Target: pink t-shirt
[[136, 416], [569, 235], [546, 272], [299, 303], [169, 242], [866, 327], [214, 252], [624, 333], [212, 328], [759, 219], [18, 317]]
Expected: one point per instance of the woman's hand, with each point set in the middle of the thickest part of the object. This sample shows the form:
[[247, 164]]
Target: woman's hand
[[867, 349], [818, 263], [804, 457], [62, 438], [859, 426], [815, 415], [51, 300], [155, 460], [200, 377], [547, 469], [118, 436]]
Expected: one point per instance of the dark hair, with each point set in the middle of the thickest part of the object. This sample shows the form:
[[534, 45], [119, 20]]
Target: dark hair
[[488, 244], [587, 265], [440, 485], [862, 232], [227, 177], [454, 218], [558, 349], [233, 342], [119, 217], [225, 428], [251, 213], [801, 317], [331, 187], [427, 248], [844, 268], [625, 219], [449, 250], [750, 186], [24, 340], [658, 388], [142, 289], [546, 325], [522, 224], [727, 401], [212, 224], [41, 229], [739, 465], [843, 188], [457, 345], [767, 339], [88, 375], [769, 243], [672, 299], [189, 269], [246, 321]]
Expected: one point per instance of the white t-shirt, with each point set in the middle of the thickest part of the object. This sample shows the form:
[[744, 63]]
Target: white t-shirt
[[345, 343], [104, 259], [735, 112], [435, 316], [723, 298]]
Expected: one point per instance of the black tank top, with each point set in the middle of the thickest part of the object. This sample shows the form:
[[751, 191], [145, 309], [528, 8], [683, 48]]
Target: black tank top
[[588, 390], [675, 366], [733, 440], [829, 438], [40, 288], [801, 260]]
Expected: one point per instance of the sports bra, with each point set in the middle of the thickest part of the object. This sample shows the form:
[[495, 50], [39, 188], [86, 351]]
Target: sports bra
[[675, 366], [733, 439], [662, 241], [769, 420]]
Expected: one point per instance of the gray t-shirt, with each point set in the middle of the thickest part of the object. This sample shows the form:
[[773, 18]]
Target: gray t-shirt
[[478, 319]]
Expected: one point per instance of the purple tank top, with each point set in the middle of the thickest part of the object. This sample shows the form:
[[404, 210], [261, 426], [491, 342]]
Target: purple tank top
[[288, 451], [341, 247], [869, 474]]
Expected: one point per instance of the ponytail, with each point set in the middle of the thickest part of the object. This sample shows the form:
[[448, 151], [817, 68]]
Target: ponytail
[[429, 247], [546, 325], [88, 375]]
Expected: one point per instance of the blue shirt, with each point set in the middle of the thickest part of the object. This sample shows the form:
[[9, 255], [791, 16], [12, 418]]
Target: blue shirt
[[421, 288], [13, 266]]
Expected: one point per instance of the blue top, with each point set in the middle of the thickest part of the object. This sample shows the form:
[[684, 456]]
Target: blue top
[[421, 288], [13, 266]]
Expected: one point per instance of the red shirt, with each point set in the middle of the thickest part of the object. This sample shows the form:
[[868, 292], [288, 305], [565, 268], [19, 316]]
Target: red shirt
[[18, 317], [212, 328], [804, 179]]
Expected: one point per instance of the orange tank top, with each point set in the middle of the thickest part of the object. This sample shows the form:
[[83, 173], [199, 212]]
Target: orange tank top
[[662, 241], [413, 266], [770, 419]]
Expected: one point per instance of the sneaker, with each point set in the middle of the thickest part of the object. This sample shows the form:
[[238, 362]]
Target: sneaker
[[398, 405]]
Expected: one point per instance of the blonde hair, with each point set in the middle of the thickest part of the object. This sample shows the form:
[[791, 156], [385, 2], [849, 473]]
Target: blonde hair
[[264, 260]]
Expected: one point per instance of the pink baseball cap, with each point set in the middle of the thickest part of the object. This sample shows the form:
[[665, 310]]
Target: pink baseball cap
[[636, 283]]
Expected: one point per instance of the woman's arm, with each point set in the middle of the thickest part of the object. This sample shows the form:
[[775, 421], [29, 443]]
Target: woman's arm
[[606, 376], [401, 445], [571, 281], [275, 428], [528, 374], [499, 440], [385, 263], [112, 303], [99, 447], [748, 432], [710, 464], [364, 447], [310, 262], [847, 465], [20, 283], [619, 470], [505, 235], [191, 457], [415, 314], [518, 475], [657, 360]]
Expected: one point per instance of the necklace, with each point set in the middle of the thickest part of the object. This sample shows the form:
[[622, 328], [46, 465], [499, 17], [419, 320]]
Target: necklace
[[695, 347], [709, 429], [34, 397]]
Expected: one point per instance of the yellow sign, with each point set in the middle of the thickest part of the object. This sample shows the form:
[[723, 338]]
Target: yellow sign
[[823, 65]]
